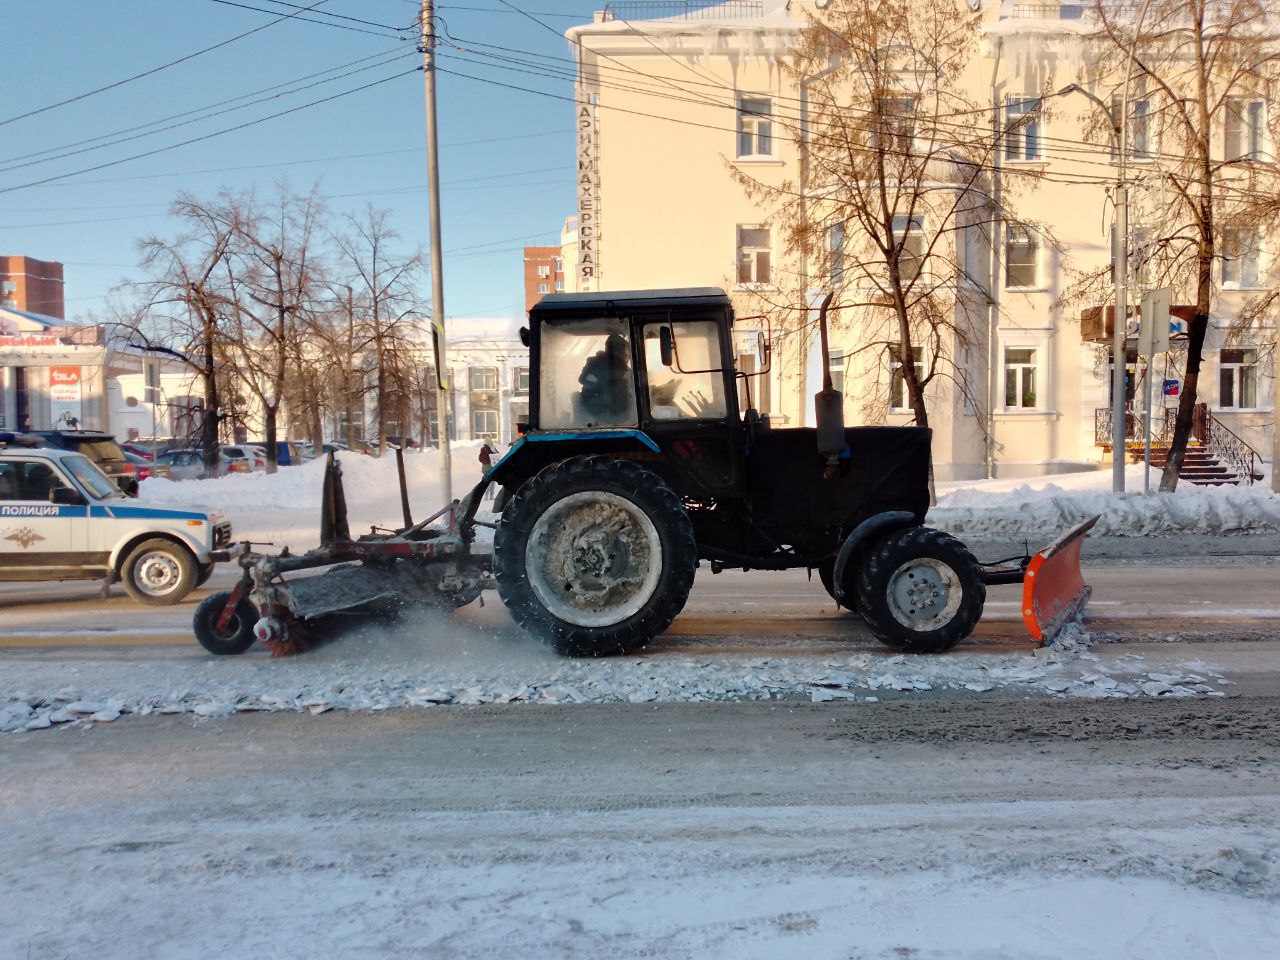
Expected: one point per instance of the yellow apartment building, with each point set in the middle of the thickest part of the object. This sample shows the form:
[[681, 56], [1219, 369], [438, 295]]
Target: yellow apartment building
[[677, 103]]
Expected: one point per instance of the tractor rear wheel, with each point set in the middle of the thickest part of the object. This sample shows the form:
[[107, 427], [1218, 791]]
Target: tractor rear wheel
[[920, 591], [595, 556]]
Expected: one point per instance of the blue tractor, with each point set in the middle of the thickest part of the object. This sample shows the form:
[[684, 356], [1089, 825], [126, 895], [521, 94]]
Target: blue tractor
[[643, 457]]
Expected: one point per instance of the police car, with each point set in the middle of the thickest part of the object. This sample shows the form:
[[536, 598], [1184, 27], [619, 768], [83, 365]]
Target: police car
[[61, 518]]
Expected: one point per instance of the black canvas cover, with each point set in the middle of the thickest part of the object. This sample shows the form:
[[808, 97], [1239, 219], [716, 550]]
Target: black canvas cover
[[887, 469]]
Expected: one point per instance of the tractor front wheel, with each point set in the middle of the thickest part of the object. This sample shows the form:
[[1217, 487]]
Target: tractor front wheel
[[920, 590], [595, 555]]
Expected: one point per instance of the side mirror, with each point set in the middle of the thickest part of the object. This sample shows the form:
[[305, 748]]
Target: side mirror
[[524, 336], [66, 496], [667, 345]]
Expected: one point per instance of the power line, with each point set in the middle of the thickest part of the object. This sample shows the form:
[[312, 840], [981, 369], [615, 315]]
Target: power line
[[187, 113], [339, 16], [209, 116], [154, 70], [208, 136], [272, 166], [301, 19]]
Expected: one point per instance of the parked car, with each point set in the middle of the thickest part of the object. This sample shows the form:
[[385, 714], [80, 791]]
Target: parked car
[[189, 464], [99, 447], [139, 450], [62, 518], [287, 454], [144, 468], [254, 456]]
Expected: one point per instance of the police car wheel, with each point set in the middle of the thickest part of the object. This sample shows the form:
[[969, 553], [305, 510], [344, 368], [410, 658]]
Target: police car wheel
[[203, 574], [158, 572]]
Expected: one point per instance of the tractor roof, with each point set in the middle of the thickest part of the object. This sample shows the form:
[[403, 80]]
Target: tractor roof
[[610, 300]]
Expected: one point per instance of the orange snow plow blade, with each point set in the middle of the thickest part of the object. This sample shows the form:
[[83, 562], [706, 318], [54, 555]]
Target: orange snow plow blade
[[1053, 589]]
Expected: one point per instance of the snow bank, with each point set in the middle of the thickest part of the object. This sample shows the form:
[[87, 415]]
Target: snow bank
[[1036, 508], [284, 507]]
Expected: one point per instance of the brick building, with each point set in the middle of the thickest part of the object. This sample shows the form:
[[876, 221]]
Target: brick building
[[543, 274], [32, 285]]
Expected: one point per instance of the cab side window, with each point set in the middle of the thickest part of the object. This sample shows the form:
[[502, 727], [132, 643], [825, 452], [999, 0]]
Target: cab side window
[[27, 480], [9, 480], [693, 387]]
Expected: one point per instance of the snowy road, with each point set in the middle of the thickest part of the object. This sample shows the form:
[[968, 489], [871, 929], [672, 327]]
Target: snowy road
[[949, 831], [1143, 589]]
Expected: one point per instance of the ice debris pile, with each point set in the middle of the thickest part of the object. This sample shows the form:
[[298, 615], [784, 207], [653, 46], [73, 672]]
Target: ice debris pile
[[1001, 509], [105, 691]]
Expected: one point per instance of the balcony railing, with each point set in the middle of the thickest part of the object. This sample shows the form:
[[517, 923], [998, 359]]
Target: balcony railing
[[672, 10], [1045, 11], [1161, 427]]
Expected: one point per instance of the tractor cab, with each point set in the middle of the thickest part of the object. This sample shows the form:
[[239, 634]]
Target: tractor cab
[[648, 369]]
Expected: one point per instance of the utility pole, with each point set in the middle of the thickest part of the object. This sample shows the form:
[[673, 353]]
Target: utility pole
[[437, 262], [1120, 267]]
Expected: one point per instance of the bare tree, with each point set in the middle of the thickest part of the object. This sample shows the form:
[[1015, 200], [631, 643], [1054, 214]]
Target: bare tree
[[1198, 68], [895, 167], [273, 280], [187, 299], [384, 291]]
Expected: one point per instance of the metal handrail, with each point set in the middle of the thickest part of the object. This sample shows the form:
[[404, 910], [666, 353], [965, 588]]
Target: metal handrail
[[1226, 446]]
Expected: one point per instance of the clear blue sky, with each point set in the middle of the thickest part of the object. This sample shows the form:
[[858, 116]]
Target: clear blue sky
[[496, 196]]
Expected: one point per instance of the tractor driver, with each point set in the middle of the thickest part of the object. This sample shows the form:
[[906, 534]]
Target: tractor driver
[[606, 382]]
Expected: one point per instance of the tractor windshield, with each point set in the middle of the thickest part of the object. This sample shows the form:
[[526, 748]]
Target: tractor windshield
[[692, 388], [586, 378]]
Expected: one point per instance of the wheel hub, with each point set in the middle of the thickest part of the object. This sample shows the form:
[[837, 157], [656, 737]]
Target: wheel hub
[[593, 558], [157, 574], [924, 594]]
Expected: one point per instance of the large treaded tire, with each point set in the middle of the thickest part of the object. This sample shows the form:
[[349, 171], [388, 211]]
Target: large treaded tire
[[626, 485], [238, 635], [894, 556]]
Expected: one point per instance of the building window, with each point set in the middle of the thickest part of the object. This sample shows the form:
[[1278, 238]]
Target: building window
[[1020, 378], [484, 424], [899, 395], [1238, 379], [754, 254], [909, 231], [755, 127], [896, 119], [484, 378], [977, 255], [544, 288], [521, 380], [559, 286], [559, 264], [1240, 255], [1022, 123], [544, 270], [1245, 129], [1021, 258], [835, 251], [1141, 128]]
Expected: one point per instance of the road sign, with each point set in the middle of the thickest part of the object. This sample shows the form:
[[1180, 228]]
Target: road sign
[[1153, 337], [1172, 388]]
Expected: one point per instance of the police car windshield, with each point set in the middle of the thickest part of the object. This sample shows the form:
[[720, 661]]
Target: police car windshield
[[91, 478]]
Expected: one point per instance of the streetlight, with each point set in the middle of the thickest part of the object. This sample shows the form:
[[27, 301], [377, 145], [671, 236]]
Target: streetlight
[[1120, 277], [1119, 253]]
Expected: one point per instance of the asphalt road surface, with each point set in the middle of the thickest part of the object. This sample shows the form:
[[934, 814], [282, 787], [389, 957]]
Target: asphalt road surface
[[1224, 588]]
